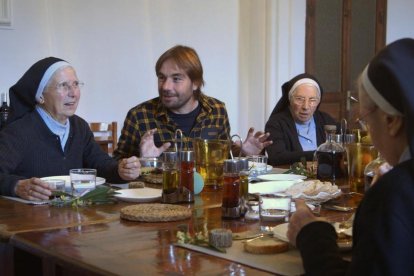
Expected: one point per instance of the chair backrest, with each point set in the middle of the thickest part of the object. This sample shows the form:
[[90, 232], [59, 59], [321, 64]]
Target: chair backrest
[[106, 135]]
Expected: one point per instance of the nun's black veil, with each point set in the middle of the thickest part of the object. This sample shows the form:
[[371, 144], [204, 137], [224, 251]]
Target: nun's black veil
[[391, 72], [283, 103], [23, 93]]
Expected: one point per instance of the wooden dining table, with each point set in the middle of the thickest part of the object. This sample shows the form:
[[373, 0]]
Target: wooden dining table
[[93, 240]]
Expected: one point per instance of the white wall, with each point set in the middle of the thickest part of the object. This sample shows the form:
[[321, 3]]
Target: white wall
[[248, 48], [400, 20], [114, 46]]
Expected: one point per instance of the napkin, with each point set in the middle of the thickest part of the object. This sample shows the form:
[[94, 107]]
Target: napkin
[[32, 202], [314, 191]]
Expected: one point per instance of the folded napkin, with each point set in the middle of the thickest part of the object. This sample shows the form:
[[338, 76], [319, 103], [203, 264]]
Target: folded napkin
[[314, 191]]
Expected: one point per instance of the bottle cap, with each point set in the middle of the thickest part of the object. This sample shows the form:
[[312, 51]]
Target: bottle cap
[[170, 156], [233, 165], [187, 155], [243, 162]]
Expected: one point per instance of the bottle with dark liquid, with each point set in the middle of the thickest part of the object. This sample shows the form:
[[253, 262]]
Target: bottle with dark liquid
[[187, 176], [370, 170], [4, 111], [330, 158], [231, 202]]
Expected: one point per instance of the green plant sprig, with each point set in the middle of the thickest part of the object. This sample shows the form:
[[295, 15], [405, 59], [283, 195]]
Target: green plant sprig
[[301, 169], [199, 239], [100, 195]]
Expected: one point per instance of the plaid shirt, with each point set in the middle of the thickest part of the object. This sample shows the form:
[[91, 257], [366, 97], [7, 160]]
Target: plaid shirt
[[211, 123]]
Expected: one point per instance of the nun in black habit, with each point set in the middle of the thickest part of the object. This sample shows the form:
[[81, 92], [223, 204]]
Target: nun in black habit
[[383, 229], [296, 129], [44, 137]]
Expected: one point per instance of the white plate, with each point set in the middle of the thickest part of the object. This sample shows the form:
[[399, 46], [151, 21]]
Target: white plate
[[139, 195], [280, 177], [270, 186], [99, 180], [280, 232], [293, 207]]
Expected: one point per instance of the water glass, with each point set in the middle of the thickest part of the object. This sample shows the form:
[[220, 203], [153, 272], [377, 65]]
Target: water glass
[[258, 164], [150, 164], [56, 185], [274, 207], [82, 181]]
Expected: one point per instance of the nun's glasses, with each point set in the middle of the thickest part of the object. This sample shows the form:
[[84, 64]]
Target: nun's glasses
[[302, 100], [65, 86], [362, 119]]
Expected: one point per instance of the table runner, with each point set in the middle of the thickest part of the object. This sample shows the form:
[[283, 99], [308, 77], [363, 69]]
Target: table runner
[[287, 263]]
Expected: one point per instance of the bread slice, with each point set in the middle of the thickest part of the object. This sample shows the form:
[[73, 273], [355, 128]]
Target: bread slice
[[266, 245]]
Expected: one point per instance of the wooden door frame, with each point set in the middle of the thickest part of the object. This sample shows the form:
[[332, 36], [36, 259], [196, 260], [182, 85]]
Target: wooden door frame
[[380, 37]]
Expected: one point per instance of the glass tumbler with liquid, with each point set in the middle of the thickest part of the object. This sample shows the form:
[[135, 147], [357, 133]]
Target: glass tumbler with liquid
[[330, 158], [82, 181], [370, 170], [170, 177]]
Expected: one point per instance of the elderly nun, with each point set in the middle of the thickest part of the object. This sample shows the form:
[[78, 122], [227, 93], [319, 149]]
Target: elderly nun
[[296, 124], [44, 137]]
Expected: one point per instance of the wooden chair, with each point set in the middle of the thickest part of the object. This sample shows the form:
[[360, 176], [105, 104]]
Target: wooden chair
[[106, 135]]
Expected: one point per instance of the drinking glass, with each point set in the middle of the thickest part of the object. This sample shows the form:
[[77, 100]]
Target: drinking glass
[[82, 181], [56, 185], [209, 160], [258, 164], [359, 155], [150, 164], [274, 207]]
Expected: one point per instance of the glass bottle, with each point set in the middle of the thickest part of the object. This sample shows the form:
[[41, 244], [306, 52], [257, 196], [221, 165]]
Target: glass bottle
[[244, 174], [370, 170], [330, 158], [170, 177], [231, 202], [187, 176], [4, 111]]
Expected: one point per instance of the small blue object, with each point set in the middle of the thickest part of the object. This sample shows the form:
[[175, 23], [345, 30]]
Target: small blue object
[[198, 183]]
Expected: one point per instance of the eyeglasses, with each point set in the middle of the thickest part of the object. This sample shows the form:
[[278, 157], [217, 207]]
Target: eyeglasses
[[65, 86], [302, 100], [362, 119]]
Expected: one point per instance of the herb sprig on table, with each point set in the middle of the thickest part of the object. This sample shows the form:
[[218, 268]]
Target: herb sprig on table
[[199, 239], [301, 169], [100, 195]]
